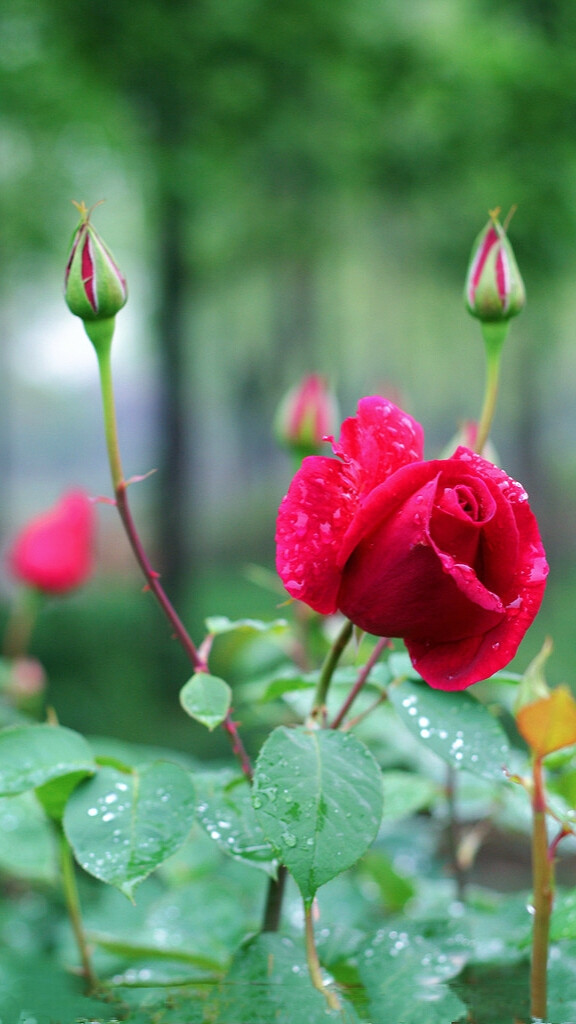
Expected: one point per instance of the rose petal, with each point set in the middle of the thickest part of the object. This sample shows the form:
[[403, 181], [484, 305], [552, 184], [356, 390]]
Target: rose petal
[[53, 552], [377, 441], [325, 494], [454, 666], [312, 520], [396, 583]]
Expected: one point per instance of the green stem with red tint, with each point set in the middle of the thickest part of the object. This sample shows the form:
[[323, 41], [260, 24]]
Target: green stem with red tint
[[363, 675], [74, 912], [313, 961], [494, 335], [327, 671], [198, 662], [543, 881]]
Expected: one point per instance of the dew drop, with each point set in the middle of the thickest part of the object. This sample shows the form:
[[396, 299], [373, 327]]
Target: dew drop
[[289, 839]]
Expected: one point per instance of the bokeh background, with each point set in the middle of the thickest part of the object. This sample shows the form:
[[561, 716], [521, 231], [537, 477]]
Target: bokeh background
[[291, 186]]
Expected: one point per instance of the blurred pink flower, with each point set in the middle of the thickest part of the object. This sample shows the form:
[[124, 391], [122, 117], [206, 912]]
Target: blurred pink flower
[[54, 551]]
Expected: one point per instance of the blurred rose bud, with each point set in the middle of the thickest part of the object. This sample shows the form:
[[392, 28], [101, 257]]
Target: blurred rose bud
[[306, 415], [494, 288], [94, 287], [54, 551], [22, 682], [466, 438]]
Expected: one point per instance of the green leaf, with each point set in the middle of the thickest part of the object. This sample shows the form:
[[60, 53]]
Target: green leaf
[[318, 798], [37, 988], [54, 795], [122, 826], [395, 890], [224, 809], [32, 755], [206, 698], [406, 793], [288, 683], [27, 842], [456, 726], [563, 924], [269, 981], [406, 979], [217, 624]]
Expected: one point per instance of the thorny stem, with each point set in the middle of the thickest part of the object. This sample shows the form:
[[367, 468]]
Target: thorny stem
[[543, 881], [74, 913], [494, 337], [313, 961], [360, 681], [328, 668], [151, 576]]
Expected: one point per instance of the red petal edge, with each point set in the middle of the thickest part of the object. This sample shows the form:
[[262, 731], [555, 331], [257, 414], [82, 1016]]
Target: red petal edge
[[326, 493], [455, 666]]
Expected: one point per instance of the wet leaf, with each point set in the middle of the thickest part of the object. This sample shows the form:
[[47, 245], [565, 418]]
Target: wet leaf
[[32, 755], [225, 811], [123, 825], [456, 726], [318, 798], [269, 981], [406, 979], [27, 842], [206, 698]]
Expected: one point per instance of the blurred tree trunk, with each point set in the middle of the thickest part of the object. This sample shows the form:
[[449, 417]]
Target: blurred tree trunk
[[174, 395]]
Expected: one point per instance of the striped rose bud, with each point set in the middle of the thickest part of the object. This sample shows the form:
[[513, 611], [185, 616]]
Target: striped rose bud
[[94, 287], [494, 288]]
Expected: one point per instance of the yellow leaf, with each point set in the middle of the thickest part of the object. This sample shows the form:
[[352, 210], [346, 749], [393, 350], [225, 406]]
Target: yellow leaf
[[550, 723]]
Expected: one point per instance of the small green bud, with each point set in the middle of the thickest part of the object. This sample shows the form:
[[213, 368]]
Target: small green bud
[[494, 288], [94, 287]]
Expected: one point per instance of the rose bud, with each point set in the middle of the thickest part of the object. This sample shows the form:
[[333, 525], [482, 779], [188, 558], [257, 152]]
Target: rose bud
[[444, 554], [494, 289], [54, 551], [306, 414], [467, 436], [94, 287]]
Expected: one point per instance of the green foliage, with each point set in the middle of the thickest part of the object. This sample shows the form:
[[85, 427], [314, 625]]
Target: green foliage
[[253, 994], [225, 810], [33, 755], [318, 798], [406, 977], [456, 726], [122, 825], [206, 698]]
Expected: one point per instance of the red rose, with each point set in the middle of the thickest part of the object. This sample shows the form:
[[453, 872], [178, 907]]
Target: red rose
[[444, 554], [53, 552]]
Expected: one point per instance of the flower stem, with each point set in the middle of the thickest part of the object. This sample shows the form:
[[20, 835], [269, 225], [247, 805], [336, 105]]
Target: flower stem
[[360, 681], [543, 880], [328, 668], [21, 622], [274, 898], [152, 578], [313, 961], [494, 337], [74, 912]]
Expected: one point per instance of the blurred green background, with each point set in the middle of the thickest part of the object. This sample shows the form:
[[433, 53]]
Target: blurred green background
[[291, 186]]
